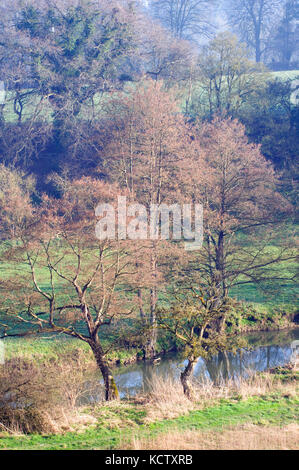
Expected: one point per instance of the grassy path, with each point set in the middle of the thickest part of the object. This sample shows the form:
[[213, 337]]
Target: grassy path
[[264, 411]]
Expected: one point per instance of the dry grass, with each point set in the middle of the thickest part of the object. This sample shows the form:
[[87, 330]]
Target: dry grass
[[249, 437], [57, 421], [51, 395], [167, 400], [61, 420], [44, 398]]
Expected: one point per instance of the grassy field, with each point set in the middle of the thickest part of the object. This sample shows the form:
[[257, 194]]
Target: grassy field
[[132, 425], [39, 349], [33, 106], [279, 293], [258, 310]]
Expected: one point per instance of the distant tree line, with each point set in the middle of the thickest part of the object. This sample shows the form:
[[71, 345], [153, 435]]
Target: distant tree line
[[61, 61], [269, 28]]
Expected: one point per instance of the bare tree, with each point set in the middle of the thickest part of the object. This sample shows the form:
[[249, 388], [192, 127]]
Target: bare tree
[[79, 292], [186, 19], [286, 39], [255, 21], [146, 146], [242, 210], [228, 78], [165, 57]]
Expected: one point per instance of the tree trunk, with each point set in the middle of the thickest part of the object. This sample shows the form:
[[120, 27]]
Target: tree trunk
[[258, 55], [220, 265], [185, 378], [140, 301], [150, 347], [111, 391], [258, 52]]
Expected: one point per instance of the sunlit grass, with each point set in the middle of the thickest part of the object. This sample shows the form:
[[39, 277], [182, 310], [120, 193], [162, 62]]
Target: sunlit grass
[[124, 424]]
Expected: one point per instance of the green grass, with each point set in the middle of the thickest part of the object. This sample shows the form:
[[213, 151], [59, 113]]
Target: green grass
[[41, 349], [258, 311], [32, 102], [286, 74], [283, 293], [268, 410], [246, 317], [264, 411], [286, 375]]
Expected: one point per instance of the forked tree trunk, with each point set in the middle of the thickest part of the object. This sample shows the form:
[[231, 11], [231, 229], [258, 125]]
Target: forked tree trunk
[[111, 391], [186, 378]]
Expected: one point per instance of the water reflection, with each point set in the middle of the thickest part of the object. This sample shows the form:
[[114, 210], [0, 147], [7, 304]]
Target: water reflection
[[268, 350]]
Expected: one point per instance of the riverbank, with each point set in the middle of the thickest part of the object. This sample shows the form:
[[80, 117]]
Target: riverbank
[[244, 318], [247, 317], [266, 405]]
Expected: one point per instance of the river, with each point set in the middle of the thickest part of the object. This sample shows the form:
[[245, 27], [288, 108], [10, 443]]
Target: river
[[266, 350]]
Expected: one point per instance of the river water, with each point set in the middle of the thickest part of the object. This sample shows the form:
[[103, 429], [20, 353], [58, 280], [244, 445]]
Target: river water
[[266, 350]]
